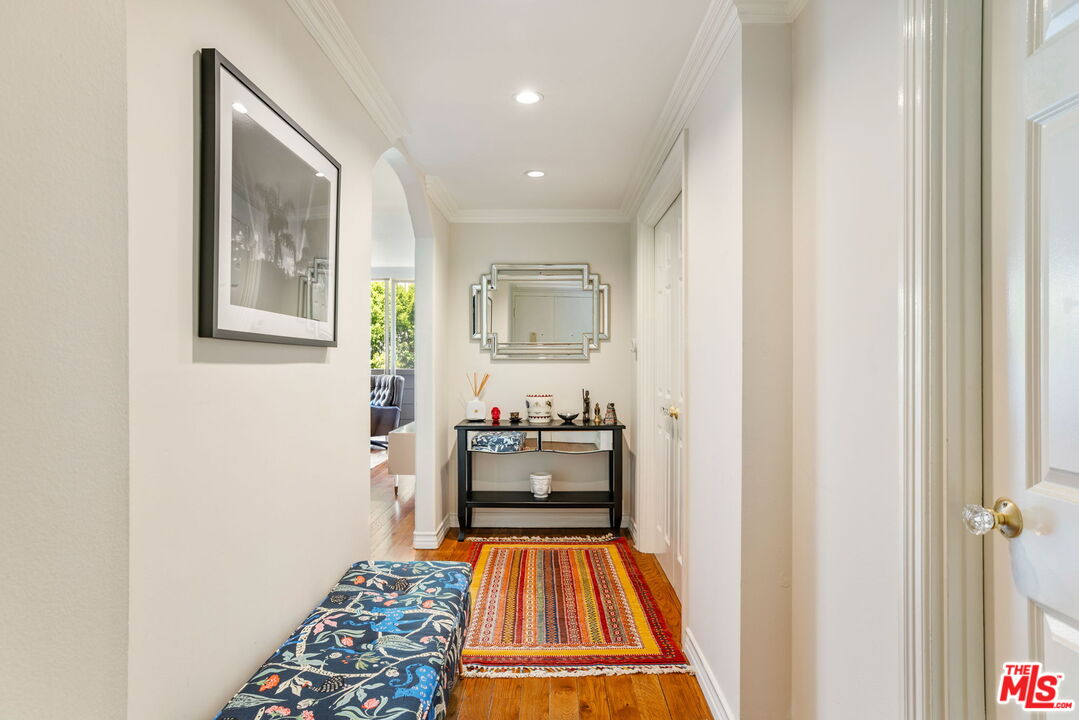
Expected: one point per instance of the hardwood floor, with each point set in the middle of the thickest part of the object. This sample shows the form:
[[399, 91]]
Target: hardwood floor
[[613, 697]]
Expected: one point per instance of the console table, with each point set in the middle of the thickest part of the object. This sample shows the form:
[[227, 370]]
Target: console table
[[469, 499]]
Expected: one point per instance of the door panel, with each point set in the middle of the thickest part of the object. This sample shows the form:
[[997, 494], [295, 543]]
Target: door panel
[[669, 313], [1032, 362], [1051, 17]]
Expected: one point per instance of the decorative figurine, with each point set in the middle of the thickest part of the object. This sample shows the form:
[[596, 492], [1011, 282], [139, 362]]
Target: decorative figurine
[[540, 483], [587, 407], [496, 415], [515, 417], [612, 417], [598, 420]]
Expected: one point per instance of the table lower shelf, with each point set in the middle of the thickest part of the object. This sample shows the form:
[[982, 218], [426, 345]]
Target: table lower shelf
[[523, 498]]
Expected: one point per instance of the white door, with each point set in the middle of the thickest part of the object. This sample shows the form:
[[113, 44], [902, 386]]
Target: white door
[[669, 399], [1031, 205]]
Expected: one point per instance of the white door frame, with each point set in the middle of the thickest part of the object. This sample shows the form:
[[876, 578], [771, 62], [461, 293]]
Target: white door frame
[[943, 634], [668, 184]]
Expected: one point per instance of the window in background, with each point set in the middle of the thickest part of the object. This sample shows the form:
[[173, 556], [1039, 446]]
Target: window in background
[[378, 324], [393, 325], [405, 325]]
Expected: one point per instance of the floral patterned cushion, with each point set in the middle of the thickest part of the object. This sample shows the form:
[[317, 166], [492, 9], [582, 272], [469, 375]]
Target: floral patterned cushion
[[384, 643], [498, 441]]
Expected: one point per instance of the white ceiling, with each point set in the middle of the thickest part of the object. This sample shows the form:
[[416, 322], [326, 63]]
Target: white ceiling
[[605, 68]]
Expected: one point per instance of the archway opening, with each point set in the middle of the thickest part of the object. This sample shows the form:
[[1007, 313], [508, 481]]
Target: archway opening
[[401, 360]]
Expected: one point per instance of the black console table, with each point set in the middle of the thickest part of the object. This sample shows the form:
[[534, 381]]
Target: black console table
[[468, 499]]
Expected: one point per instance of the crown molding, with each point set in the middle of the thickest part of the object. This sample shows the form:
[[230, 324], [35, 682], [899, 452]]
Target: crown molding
[[795, 9], [764, 12], [441, 198], [717, 31], [554, 215], [323, 20]]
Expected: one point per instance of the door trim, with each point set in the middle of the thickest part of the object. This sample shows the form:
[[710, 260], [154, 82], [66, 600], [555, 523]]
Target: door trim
[[942, 626], [665, 189]]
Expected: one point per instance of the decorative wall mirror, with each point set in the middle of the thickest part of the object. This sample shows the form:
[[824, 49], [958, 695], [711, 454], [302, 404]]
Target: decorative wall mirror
[[540, 312]]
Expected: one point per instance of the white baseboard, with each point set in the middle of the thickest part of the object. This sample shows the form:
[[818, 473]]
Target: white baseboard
[[631, 524], [431, 540], [717, 703], [494, 518]]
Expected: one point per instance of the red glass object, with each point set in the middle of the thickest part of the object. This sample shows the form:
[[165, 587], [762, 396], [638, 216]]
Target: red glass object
[[496, 415]]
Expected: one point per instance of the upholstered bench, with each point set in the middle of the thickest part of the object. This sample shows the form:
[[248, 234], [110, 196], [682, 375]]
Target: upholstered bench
[[384, 643]]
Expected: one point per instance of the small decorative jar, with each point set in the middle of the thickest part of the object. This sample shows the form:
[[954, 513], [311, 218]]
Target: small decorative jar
[[540, 482], [540, 408], [475, 409]]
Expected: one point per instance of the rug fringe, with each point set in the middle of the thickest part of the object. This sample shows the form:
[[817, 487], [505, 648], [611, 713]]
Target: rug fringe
[[545, 538], [538, 672]]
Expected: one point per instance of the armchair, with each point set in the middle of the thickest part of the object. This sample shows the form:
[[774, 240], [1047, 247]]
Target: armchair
[[386, 394]]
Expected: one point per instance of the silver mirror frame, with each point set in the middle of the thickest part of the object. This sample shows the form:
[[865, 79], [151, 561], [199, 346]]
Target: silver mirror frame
[[481, 302]]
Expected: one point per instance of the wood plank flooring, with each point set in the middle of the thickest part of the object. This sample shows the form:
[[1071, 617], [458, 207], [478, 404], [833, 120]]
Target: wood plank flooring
[[613, 697]]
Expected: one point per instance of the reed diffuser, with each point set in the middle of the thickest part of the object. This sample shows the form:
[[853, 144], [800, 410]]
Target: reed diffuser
[[475, 409]]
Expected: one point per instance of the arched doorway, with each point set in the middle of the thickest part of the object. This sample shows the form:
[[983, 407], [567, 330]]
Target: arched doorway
[[403, 336]]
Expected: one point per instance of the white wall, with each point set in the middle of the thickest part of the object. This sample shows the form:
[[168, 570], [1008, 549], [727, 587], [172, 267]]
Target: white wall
[[393, 242], [766, 364], [608, 374], [848, 193], [715, 371], [738, 251], [249, 467], [64, 424], [443, 311]]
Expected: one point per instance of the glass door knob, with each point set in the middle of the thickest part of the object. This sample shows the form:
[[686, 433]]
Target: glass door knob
[[1003, 516]]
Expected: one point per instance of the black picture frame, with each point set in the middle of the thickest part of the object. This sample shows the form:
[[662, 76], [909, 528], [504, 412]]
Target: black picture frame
[[212, 307]]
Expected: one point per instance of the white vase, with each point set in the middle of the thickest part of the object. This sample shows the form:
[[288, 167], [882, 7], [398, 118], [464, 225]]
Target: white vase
[[475, 409], [540, 482], [540, 408]]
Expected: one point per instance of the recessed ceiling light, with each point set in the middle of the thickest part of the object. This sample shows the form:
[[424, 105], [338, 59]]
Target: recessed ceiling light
[[319, 174], [239, 107], [535, 173], [528, 97]]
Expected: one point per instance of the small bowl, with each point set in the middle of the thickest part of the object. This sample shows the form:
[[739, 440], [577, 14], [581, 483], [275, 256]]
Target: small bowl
[[568, 419]]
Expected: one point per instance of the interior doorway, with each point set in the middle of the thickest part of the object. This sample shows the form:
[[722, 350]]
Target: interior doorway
[[1031, 354], [661, 496], [1001, 358], [393, 366], [667, 298]]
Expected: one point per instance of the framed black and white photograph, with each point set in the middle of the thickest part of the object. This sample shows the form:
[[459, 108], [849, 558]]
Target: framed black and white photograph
[[269, 218]]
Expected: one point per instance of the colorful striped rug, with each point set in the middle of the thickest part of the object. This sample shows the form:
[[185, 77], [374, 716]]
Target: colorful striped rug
[[564, 607]]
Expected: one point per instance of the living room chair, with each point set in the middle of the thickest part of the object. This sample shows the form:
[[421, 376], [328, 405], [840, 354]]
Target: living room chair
[[386, 394]]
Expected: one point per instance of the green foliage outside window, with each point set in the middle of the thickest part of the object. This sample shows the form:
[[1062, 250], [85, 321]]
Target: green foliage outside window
[[405, 312], [406, 326], [378, 324]]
